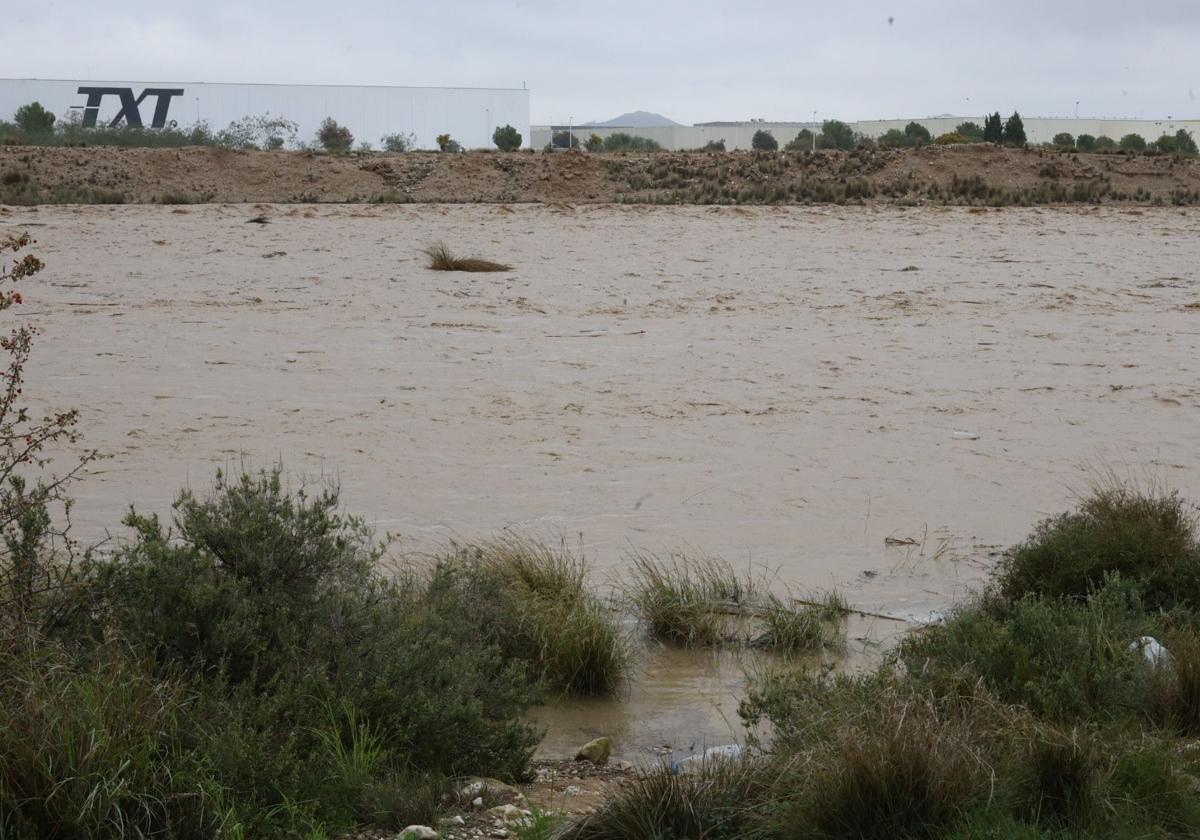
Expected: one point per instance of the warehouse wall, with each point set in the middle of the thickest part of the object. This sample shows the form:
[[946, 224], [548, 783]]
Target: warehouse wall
[[467, 114]]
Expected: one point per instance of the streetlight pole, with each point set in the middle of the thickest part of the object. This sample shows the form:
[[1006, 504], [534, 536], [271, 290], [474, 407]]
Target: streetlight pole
[[1076, 109]]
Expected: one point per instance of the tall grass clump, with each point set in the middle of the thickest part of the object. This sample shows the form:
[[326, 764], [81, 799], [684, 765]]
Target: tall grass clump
[[688, 600], [719, 799], [1146, 535], [95, 748], [694, 601], [534, 600], [441, 258]]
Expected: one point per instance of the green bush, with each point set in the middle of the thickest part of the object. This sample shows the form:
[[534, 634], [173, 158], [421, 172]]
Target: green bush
[[621, 142], [971, 132], [507, 138], [714, 145], [836, 134], [446, 143], [34, 119], [1105, 142], [893, 138], [1132, 143], [1185, 144], [1145, 536], [398, 142], [917, 134], [334, 137], [1085, 143], [764, 141], [594, 143], [802, 142], [951, 139], [278, 594], [1064, 140]]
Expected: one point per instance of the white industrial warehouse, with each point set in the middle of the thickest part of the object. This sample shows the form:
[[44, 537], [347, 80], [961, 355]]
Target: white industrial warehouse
[[469, 115]]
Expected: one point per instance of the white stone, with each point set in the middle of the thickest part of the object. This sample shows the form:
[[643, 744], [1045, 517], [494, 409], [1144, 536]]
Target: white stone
[[418, 832]]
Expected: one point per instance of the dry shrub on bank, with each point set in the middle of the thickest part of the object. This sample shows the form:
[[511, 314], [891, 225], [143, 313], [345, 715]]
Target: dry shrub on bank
[[441, 258]]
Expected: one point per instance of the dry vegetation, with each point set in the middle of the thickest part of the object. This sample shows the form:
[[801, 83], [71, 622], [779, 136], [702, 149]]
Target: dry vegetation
[[976, 174], [441, 258]]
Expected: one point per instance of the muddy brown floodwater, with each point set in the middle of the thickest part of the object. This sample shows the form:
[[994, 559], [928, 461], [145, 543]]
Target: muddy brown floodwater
[[779, 386]]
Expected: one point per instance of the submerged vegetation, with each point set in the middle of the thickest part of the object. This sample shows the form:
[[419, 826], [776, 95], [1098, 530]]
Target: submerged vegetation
[[441, 258], [1039, 710]]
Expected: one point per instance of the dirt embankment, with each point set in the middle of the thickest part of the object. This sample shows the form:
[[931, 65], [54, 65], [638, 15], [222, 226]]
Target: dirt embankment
[[976, 175]]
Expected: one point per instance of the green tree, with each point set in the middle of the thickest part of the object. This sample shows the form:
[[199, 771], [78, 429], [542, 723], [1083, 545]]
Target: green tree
[[595, 143], [917, 134], [507, 138], [34, 119], [334, 137], [1014, 130], [893, 138], [970, 132], [802, 142], [1085, 143], [764, 141], [835, 134], [993, 129], [1166, 144], [1064, 140], [1185, 144], [1105, 142], [1132, 143]]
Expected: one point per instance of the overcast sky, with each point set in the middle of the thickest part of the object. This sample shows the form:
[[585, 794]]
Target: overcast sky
[[692, 61]]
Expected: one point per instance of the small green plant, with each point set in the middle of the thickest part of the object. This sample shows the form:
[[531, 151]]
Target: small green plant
[[1063, 140], [594, 143], [507, 138], [398, 142], [619, 141], [714, 145], [446, 143]]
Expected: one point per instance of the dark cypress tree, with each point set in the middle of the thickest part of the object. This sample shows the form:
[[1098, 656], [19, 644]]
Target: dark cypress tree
[[993, 128], [1014, 131]]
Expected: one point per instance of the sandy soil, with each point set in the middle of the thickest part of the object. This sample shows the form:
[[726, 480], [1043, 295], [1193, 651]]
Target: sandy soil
[[923, 175], [778, 386]]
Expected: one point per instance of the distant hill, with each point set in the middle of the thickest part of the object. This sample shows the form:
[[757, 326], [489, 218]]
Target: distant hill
[[636, 119]]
